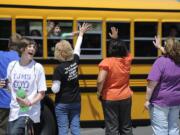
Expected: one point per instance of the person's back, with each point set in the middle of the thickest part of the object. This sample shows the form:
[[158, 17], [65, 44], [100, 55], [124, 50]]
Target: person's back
[[5, 58], [68, 71], [113, 88], [117, 82], [166, 93], [162, 92], [66, 85]]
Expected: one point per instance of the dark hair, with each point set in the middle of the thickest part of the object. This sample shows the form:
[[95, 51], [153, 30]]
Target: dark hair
[[14, 42], [18, 42], [117, 48], [24, 42], [57, 25], [35, 33]]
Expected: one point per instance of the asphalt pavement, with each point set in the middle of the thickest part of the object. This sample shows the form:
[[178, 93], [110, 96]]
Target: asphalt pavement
[[142, 130]]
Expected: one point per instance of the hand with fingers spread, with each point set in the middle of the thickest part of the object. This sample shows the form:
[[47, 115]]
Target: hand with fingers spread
[[157, 41], [114, 33], [157, 44], [84, 28]]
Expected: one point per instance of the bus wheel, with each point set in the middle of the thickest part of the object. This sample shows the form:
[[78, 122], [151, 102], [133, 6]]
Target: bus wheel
[[48, 123]]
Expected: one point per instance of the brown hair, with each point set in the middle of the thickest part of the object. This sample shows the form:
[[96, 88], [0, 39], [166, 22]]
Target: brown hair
[[18, 42], [14, 42], [63, 51], [172, 49]]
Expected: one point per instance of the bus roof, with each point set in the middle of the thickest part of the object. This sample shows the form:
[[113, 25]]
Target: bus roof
[[96, 4]]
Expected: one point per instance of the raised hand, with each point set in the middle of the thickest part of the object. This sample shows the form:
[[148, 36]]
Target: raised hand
[[157, 41], [157, 44], [114, 33], [84, 28]]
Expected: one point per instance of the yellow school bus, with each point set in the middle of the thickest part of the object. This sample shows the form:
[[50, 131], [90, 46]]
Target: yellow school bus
[[138, 22]]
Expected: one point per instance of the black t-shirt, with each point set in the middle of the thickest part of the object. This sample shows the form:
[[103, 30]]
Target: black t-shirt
[[67, 73]]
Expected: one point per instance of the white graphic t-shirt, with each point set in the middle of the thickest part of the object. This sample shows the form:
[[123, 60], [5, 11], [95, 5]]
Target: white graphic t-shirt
[[32, 79]]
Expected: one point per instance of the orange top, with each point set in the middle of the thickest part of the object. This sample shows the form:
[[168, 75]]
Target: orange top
[[116, 86]]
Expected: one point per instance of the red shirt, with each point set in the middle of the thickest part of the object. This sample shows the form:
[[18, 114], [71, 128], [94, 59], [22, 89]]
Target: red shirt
[[116, 86]]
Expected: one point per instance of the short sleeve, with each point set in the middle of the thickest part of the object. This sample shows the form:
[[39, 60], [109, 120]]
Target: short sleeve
[[57, 75], [41, 78], [156, 70], [104, 65], [10, 68]]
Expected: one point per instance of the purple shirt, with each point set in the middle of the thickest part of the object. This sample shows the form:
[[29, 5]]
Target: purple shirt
[[167, 74]]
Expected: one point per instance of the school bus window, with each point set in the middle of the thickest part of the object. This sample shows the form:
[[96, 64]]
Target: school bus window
[[5, 33], [91, 45], [58, 30], [123, 32], [171, 30], [33, 29], [144, 34]]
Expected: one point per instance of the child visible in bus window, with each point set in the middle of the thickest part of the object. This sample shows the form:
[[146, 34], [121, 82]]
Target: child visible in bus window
[[27, 84], [50, 26], [173, 31], [35, 33], [113, 87], [55, 32], [162, 93], [66, 85]]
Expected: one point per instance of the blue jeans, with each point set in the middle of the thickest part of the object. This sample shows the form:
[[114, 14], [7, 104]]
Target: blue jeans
[[164, 120], [68, 115]]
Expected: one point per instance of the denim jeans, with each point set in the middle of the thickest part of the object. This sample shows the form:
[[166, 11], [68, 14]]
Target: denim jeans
[[164, 120], [17, 127], [68, 115]]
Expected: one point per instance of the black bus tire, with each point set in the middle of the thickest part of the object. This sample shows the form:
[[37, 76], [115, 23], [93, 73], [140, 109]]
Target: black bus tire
[[48, 123]]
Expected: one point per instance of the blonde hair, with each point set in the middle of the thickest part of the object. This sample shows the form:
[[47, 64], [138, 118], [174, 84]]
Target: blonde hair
[[172, 49], [63, 51]]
